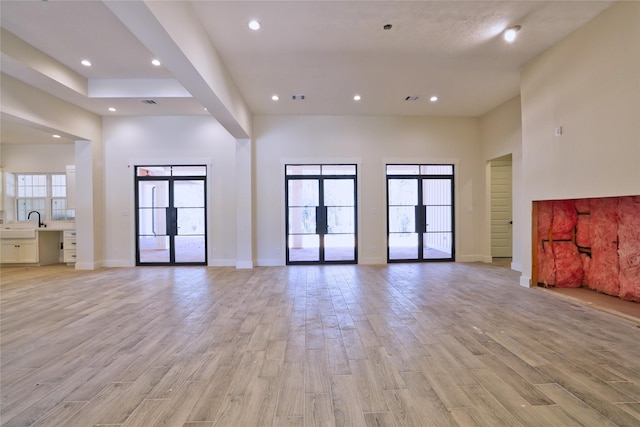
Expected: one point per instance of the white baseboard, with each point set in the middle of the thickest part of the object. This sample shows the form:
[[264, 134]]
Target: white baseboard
[[525, 281], [244, 264], [88, 265], [470, 258], [372, 261], [119, 263], [221, 262]]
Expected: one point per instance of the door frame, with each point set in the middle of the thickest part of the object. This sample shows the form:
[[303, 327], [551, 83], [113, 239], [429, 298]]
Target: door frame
[[420, 178], [320, 178], [170, 179]]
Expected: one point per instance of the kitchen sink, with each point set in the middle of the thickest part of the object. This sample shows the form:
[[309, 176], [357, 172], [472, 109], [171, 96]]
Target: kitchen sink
[[17, 233]]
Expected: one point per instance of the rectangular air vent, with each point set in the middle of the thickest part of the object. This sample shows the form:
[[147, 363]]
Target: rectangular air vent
[[298, 97], [411, 98], [149, 101]]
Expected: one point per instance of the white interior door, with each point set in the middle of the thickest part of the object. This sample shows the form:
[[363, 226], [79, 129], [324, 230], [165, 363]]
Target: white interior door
[[501, 214]]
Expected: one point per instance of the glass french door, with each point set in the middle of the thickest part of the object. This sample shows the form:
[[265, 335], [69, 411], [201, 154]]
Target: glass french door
[[171, 215], [420, 213], [321, 214]]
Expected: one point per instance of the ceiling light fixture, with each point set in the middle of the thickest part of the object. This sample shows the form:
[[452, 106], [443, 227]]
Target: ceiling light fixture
[[511, 33], [86, 62], [56, 136], [275, 98], [433, 98], [112, 109], [357, 97], [254, 25], [155, 62]]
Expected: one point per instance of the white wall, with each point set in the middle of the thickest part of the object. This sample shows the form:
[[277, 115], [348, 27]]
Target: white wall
[[37, 157], [167, 140], [370, 142], [589, 83], [501, 134]]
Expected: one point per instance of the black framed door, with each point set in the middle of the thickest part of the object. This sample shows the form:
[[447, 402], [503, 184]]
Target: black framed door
[[420, 213], [321, 214], [171, 215]]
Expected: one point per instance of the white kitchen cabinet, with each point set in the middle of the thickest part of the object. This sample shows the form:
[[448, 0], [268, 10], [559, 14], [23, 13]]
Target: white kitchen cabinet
[[69, 246], [41, 248], [19, 251]]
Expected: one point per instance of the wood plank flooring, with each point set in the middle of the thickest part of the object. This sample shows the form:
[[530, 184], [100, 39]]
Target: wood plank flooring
[[439, 344]]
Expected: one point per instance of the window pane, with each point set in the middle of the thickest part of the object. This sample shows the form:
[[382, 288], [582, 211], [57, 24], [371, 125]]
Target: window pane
[[338, 192], [153, 171], [302, 220], [304, 192], [402, 169], [402, 219], [436, 191], [338, 169], [403, 192], [303, 169], [188, 194], [436, 169], [340, 220], [189, 170]]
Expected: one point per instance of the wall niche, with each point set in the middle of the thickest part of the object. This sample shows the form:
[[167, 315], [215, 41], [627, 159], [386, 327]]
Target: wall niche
[[593, 243]]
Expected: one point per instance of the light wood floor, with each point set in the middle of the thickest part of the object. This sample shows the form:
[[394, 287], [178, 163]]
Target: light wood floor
[[439, 344]]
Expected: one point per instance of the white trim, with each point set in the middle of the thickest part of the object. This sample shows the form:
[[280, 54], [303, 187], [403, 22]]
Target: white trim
[[372, 261], [244, 264], [457, 210], [469, 258], [283, 202], [525, 281], [88, 265], [164, 161], [222, 262], [517, 266]]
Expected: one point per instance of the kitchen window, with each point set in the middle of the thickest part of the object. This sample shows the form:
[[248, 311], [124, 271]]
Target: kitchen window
[[45, 193]]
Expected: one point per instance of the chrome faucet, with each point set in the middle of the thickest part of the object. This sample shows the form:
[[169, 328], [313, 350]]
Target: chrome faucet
[[40, 223]]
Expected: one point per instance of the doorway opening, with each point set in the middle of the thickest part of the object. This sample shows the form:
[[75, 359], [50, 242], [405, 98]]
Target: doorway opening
[[420, 213], [321, 214], [171, 215]]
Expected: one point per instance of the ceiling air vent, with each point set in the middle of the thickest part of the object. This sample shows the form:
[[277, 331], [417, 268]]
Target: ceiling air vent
[[411, 98], [149, 101], [298, 97]]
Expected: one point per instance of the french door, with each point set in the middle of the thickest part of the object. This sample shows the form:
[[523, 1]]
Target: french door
[[171, 220], [420, 213], [321, 214]]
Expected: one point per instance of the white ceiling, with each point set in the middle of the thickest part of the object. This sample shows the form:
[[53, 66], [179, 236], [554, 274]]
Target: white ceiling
[[326, 50]]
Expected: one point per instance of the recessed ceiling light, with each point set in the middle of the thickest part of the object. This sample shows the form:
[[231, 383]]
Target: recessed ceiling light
[[275, 98], [155, 62], [86, 62], [205, 109], [55, 135], [357, 97], [511, 34], [433, 98], [254, 25], [112, 109]]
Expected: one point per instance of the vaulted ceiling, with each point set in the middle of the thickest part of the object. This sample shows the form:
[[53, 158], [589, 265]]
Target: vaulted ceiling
[[327, 51]]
